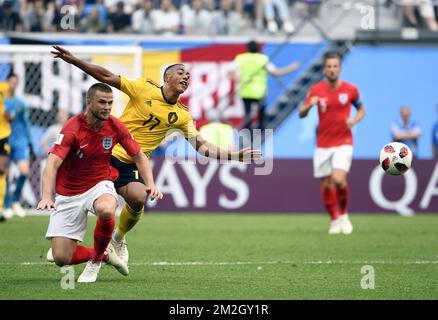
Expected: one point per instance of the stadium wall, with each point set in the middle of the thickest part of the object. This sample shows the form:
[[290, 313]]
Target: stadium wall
[[285, 186]]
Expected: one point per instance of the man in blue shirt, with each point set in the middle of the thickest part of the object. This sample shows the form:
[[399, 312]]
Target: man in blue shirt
[[20, 142], [435, 139], [406, 131]]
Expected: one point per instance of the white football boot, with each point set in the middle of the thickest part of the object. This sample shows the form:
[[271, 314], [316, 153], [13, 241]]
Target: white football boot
[[346, 226], [121, 249], [18, 210], [49, 256], [115, 261], [8, 213], [90, 272], [335, 227]]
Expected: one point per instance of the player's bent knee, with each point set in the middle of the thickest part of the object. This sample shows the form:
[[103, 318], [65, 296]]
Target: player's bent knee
[[105, 211], [339, 181], [61, 259], [136, 200]]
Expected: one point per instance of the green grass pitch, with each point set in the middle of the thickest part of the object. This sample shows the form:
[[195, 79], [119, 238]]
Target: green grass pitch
[[242, 256]]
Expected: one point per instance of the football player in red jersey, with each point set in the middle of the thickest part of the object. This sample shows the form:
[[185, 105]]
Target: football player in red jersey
[[334, 150], [79, 162]]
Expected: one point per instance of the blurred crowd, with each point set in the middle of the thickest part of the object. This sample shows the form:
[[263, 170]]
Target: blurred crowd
[[193, 17], [420, 14]]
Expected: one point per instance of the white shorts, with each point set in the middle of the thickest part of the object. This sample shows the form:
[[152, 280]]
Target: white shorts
[[327, 159], [70, 217]]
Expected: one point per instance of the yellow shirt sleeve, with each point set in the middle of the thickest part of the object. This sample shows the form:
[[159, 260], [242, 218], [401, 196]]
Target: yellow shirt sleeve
[[132, 87], [5, 129], [188, 128]]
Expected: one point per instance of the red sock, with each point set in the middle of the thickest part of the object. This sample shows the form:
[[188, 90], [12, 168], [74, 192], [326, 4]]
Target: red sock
[[330, 202], [81, 255], [342, 194], [102, 237]]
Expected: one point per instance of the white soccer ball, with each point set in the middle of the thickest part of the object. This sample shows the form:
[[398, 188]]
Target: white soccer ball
[[395, 158]]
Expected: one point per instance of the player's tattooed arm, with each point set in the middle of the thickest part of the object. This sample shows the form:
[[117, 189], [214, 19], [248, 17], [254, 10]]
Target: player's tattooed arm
[[49, 175], [99, 73], [210, 150], [305, 108]]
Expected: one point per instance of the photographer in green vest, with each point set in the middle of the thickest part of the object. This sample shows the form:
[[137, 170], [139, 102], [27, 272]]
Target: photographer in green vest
[[251, 70]]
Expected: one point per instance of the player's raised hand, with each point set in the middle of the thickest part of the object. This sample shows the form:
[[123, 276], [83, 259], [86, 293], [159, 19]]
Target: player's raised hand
[[247, 154], [314, 100], [154, 193], [63, 54], [46, 203]]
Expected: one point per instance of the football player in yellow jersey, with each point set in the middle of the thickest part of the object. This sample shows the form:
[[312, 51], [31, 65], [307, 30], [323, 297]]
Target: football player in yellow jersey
[[5, 131], [151, 112]]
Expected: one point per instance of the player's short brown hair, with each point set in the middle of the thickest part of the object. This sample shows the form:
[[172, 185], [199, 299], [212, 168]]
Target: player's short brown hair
[[332, 55], [102, 87]]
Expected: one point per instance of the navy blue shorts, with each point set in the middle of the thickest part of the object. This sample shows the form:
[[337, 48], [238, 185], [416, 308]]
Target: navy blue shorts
[[4, 147], [128, 172]]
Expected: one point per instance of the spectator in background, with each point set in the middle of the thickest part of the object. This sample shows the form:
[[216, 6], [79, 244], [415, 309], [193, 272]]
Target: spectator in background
[[9, 19], [20, 142], [435, 139], [142, 21], [312, 8], [119, 21], [37, 18], [406, 131], [426, 11], [226, 21], [50, 135], [283, 15], [166, 20], [251, 69], [253, 11], [129, 5], [196, 20], [92, 22]]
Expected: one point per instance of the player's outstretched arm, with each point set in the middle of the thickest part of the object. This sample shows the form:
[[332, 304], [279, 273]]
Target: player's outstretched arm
[[285, 70], [210, 150], [49, 175], [99, 73], [143, 166]]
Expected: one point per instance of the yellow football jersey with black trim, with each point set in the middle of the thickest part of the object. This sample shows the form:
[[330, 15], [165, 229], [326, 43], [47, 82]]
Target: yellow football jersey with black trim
[[148, 116], [5, 128]]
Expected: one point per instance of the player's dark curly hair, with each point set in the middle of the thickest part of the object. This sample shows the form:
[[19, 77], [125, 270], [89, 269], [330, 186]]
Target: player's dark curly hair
[[102, 87]]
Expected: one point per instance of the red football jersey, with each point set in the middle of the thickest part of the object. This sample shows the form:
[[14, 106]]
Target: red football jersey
[[334, 109], [86, 153]]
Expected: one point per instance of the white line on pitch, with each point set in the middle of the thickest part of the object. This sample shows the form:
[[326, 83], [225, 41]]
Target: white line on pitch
[[232, 263]]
